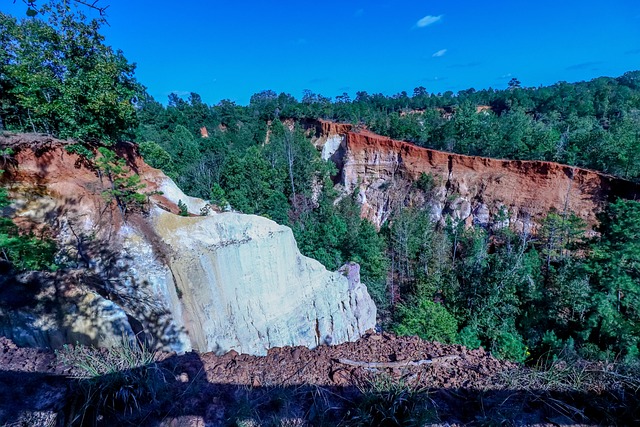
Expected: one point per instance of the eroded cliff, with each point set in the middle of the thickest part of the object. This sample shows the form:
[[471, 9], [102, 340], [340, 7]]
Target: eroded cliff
[[485, 191], [211, 283]]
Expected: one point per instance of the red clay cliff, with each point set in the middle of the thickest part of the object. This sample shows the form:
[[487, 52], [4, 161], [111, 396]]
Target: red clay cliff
[[468, 188]]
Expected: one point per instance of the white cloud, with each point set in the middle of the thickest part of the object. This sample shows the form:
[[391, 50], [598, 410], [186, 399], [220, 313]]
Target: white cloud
[[428, 20], [439, 53]]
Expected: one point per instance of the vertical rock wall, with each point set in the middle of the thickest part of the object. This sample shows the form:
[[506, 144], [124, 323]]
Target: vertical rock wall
[[475, 190], [245, 286]]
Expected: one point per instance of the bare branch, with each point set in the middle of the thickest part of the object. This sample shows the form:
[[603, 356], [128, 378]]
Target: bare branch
[[395, 364]]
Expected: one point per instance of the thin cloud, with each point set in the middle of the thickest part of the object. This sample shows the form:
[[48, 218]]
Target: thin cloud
[[506, 76], [359, 13], [428, 20], [584, 65], [632, 52], [439, 53]]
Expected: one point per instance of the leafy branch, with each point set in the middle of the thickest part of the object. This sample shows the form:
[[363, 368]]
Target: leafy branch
[[33, 7], [125, 185]]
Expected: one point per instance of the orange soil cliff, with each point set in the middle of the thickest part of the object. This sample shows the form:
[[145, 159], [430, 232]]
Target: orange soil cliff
[[471, 189]]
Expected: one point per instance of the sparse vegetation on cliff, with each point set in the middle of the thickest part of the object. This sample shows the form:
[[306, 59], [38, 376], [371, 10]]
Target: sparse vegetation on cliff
[[19, 250]]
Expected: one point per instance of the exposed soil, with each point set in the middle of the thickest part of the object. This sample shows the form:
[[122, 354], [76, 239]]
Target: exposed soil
[[453, 366], [297, 386]]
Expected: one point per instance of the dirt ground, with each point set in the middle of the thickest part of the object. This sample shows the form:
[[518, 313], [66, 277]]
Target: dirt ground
[[295, 386]]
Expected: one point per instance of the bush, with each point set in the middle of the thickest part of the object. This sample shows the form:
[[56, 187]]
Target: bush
[[428, 320], [510, 346], [468, 337], [183, 208]]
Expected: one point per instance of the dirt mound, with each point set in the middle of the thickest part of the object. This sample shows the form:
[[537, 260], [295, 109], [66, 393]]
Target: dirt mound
[[33, 383], [438, 365], [427, 364]]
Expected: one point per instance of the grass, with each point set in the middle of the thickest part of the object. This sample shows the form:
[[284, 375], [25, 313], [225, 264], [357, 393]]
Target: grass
[[124, 386], [112, 382], [386, 401], [579, 390], [577, 375]]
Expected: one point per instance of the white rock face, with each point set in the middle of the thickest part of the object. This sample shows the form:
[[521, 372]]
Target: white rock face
[[172, 192], [331, 146], [244, 285]]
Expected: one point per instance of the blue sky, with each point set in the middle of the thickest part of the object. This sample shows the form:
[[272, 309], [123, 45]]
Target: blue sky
[[232, 49]]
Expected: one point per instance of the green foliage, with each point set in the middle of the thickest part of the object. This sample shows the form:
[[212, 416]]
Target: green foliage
[[81, 150], [58, 77], [217, 196], [510, 346], [124, 185], [468, 337], [614, 266], [21, 251], [156, 156], [335, 235], [389, 402], [183, 208], [426, 182], [428, 320]]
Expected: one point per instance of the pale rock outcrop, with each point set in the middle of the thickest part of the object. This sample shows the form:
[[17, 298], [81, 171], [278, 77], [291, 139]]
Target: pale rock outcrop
[[331, 145], [58, 313], [245, 286]]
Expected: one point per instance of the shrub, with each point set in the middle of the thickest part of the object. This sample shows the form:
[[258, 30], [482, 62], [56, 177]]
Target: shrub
[[428, 320], [183, 208], [509, 346], [124, 183]]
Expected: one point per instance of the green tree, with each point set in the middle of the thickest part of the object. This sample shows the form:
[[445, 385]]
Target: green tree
[[58, 77], [124, 185], [428, 320], [615, 273]]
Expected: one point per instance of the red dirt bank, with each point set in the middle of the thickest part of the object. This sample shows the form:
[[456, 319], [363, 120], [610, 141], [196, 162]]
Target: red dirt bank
[[469, 184]]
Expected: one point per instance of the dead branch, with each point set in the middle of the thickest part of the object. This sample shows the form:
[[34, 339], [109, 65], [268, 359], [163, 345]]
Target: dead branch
[[401, 364]]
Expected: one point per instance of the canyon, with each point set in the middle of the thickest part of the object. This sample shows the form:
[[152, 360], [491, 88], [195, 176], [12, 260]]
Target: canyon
[[212, 281]]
